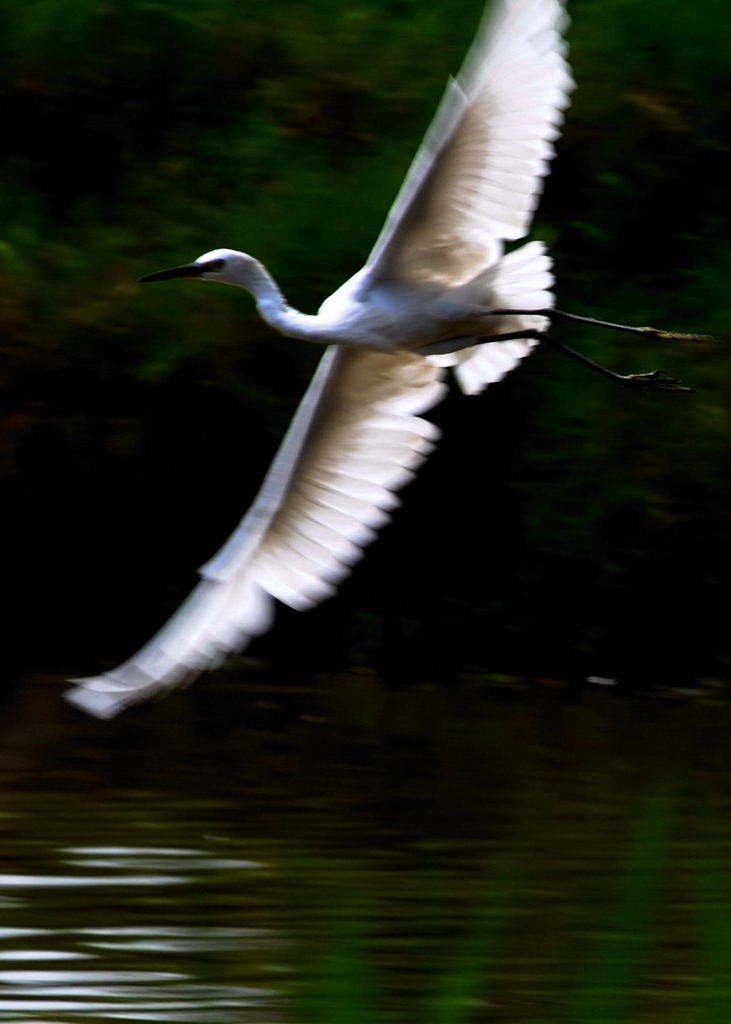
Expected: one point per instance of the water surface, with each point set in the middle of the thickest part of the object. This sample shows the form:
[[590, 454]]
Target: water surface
[[246, 854]]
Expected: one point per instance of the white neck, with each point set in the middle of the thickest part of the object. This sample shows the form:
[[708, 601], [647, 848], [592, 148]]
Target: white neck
[[273, 307]]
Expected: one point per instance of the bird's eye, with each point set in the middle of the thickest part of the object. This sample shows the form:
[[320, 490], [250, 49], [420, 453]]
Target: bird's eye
[[215, 265]]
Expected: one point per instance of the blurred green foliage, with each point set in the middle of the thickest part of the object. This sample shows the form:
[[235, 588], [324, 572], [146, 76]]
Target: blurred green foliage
[[563, 527]]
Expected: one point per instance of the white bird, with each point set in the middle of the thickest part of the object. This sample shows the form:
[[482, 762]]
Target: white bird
[[436, 287]]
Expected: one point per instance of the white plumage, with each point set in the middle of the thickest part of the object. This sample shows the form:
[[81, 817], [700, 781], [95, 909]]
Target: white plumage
[[419, 305]]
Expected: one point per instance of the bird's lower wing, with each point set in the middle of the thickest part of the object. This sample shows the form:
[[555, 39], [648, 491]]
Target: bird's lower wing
[[355, 440]]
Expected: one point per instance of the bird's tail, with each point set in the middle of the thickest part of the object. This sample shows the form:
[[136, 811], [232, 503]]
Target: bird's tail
[[520, 280]]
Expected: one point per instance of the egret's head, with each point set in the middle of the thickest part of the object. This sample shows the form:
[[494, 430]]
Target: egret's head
[[224, 265]]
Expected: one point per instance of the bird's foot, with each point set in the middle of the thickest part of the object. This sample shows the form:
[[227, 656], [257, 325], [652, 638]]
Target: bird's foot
[[655, 332], [657, 380]]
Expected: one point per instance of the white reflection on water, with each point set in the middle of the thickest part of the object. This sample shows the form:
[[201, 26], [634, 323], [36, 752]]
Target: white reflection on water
[[167, 995], [139, 858], [125, 983], [221, 933], [178, 940], [184, 1012], [149, 864], [26, 955], [95, 977], [132, 851], [82, 882], [21, 933]]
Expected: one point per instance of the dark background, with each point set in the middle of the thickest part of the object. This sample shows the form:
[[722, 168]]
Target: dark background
[[564, 527]]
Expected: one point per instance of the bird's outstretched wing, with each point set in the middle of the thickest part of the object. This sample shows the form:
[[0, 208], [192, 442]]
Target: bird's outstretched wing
[[354, 441], [477, 176]]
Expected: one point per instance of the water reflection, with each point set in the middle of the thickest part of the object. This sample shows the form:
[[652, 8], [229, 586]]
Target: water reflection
[[401, 858], [121, 972]]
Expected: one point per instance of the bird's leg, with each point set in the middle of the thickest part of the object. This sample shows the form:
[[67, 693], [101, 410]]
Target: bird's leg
[[558, 314], [657, 380], [441, 348]]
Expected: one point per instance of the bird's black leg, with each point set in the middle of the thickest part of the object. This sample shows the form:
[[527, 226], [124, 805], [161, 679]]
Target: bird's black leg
[[657, 380], [557, 314]]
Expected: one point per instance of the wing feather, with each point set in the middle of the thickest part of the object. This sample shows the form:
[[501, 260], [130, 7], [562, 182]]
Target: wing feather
[[354, 440], [477, 176]]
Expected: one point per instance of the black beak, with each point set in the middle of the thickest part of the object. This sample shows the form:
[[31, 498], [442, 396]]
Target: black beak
[[188, 270]]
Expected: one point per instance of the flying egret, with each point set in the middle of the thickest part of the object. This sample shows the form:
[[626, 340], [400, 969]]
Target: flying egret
[[437, 291]]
